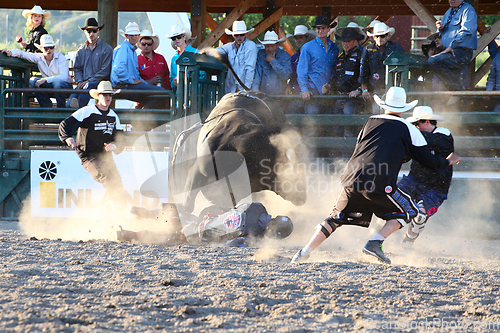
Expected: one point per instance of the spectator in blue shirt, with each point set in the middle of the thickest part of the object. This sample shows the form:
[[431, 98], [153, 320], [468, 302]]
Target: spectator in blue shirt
[[273, 67], [458, 33], [316, 64], [125, 70], [301, 36]]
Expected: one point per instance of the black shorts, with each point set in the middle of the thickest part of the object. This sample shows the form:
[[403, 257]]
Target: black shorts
[[357, 208]]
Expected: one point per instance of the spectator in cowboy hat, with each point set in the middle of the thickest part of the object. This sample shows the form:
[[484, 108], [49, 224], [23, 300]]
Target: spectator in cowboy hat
[[426, 186], [370, 177], [99, 133], [180, 39], [372, 71], [316, 64], [301, 36], [345, 80], [125, 70], [92, 63], [53, 67], [36, 23], [273, 67], [152, 66], [242, 55]]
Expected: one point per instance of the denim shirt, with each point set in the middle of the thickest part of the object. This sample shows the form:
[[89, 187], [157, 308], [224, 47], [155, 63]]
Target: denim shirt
[[461, 31], [243, 61], [271, 77], [125, 65], [316, 65]]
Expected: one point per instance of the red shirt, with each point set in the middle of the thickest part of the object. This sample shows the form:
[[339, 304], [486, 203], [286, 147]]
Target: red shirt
[[148, 69]]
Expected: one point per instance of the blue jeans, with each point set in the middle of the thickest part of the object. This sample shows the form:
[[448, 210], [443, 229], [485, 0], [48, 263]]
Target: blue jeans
[[432, 199], [83, 99], [347, 106], [148, 102], [448, 67], [44, 99]]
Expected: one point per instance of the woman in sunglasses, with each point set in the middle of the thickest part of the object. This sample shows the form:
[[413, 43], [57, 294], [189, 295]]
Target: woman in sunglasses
[[372, 70], [53, 67], [181, 41]]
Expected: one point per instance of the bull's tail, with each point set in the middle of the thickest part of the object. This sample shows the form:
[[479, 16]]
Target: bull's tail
[[222, 57]]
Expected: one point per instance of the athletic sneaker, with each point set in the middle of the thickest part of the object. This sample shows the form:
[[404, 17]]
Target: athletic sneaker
[[299, 257], [374, 248]]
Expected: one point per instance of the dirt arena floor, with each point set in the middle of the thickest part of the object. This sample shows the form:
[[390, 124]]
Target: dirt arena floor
[[71, 285]]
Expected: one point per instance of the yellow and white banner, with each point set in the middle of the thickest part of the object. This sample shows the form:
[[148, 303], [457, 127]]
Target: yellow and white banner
[[61, 187]]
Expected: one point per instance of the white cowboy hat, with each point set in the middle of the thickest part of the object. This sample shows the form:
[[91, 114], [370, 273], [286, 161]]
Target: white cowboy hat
[[132, 28], [380, 28], [36, 10], [359, 30], [177, 30], [104, 87], [239, 27], [270, 37], [424, 113], [149, 34], [46, 41], [301, 30], [395, 100]]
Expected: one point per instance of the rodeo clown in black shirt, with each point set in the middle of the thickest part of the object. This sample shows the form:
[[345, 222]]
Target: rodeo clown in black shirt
[[426, 186], [98, 129], [369, 179]]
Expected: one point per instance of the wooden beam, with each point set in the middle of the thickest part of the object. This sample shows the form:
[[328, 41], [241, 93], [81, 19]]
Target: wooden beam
[[287, 46], [482, 71], [238, 11], [423, 13], [266, 23], [486, 38], [198, 20], [107, 14], [211, 24]]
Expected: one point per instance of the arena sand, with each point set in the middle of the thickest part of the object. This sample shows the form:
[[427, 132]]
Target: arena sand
[[75, 277]]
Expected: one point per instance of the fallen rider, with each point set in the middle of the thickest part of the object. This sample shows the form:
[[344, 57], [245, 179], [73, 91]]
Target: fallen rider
[[244, 225]]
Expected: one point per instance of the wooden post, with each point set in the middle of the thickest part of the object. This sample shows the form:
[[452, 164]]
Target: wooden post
[[198, 20], [108, 15], [238, 11]]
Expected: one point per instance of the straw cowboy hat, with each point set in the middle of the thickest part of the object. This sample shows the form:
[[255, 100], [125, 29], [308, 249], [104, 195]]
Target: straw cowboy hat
[[433, 36], [91, 23], [46, 41], [36, 10], [380, 28], [352, 26], [149, 34], [427, 47], [104, 87], [239, 28], [324, 21], [271, 37], [132, 28], [395, 100], [301, 30], [424, 113]]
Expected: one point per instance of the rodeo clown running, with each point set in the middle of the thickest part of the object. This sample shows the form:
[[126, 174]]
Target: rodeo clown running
[[369, 179], [426, 186], [98, 129]]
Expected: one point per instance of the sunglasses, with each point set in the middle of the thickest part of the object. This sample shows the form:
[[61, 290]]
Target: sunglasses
[[176, 37], [92, 30], [147, 44], [381, 36], [46, 48], [239, 35]]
